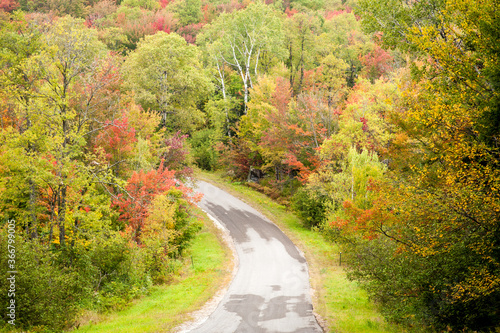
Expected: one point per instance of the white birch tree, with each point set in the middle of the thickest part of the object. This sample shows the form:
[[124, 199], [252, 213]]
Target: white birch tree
[[239, 39]]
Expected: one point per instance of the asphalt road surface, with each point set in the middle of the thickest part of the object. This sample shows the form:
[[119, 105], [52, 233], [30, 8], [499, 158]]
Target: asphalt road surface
[[270, 292]]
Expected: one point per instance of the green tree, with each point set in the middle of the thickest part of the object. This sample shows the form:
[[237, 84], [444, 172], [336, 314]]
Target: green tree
[[52, 130], [71, 52], [301, 30], [166, 76], [146, 4], [19, 41], [349, 182], [342, 38], [222, 112], [189, 12]]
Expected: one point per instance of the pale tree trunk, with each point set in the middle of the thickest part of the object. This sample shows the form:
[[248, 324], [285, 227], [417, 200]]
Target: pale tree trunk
[[243, 74], [244, 70], [222, 81]]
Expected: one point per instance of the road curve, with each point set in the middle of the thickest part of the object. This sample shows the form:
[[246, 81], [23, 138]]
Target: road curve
[[270, 291]]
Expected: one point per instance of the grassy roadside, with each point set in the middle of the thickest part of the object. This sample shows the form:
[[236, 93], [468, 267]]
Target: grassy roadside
[[342, 304], [170, 305]]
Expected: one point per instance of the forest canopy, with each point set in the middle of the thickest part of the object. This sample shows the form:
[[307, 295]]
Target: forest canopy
[[376, 121]]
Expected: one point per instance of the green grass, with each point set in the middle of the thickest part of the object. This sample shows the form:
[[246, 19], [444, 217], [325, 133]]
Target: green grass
[[340, 302], [169, 305]]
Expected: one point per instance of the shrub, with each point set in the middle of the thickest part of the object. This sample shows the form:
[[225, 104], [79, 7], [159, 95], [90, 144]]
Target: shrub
[[46, 293], [168, 231], [119, 272], [310, 206], [202, 144]]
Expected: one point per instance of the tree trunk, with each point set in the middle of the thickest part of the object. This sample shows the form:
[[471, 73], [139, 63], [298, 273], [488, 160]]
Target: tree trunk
[[61, 215], [245, 96], [32, 208]]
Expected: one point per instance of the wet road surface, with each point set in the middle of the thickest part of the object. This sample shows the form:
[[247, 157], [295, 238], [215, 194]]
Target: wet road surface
[[270, 292]]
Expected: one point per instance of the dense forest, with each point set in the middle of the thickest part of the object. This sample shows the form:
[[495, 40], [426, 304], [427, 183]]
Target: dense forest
[[377, 121]]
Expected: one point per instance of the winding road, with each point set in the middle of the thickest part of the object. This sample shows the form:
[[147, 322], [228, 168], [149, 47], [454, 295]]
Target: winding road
[[270, 292]]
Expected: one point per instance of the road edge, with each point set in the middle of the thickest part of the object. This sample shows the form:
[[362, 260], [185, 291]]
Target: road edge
[[315, 298], [201, 315]]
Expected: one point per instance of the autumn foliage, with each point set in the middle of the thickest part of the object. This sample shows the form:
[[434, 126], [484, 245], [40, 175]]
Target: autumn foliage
[[377, 120], [8, 5], [141, 189]]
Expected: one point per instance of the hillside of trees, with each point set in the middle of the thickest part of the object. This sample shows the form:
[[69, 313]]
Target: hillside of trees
[[378, 122]]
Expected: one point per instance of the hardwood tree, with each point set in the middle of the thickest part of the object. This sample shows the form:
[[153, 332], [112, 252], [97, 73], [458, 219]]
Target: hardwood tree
[[166, 76], [243, 38]]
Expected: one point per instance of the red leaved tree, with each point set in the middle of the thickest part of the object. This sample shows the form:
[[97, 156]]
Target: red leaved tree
[[290, 12], [117, 140], [141, 189], [8, 5], [190, 31], [164, 21], [176, 154], [377, 63], [331, 14], [164, 3]]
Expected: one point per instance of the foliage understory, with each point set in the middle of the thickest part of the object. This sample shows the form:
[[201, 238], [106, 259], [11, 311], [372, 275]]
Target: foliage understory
[[206, 268]]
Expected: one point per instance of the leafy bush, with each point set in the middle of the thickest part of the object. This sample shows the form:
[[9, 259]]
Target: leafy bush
[[51, 286], [168, 231], [311, 206], [46, 293], [420, 291], [119, 272], [204, 153]]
